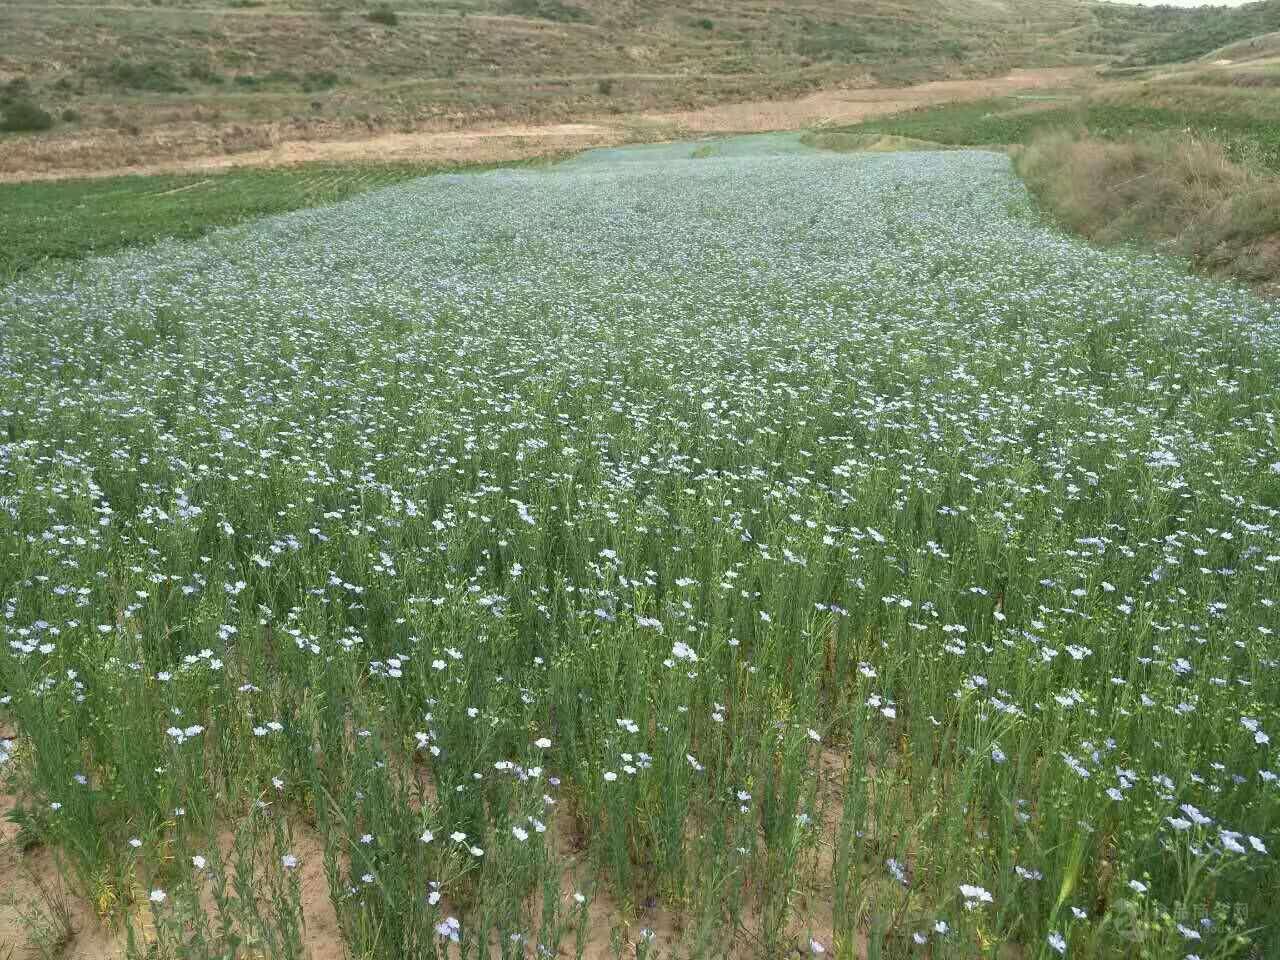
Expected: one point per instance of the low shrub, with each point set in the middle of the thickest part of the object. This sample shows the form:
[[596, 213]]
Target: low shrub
[[320, 80], [549, 10], [22, 116], [383, 15], [204, 73], [152, 75]]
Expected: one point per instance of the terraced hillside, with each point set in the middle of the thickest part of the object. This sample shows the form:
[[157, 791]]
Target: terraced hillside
[[128, 80]]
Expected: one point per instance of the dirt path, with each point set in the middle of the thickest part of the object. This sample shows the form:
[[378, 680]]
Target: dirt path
[[82, 156]]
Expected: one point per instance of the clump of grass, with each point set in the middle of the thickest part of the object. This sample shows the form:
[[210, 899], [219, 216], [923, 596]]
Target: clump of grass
[[1179, 191], [316, 80]]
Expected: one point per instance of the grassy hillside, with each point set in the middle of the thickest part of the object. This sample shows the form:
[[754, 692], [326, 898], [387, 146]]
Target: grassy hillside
[[198, 77], [1175, 35]]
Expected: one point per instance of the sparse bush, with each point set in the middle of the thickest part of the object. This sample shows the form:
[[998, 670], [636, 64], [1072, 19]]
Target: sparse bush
[[15, 89], [383, 15], [320, 80], [275, 78], [705, 24], [70, 116], [152, 75], [22, 116], [204, 73], [549, 10], [605, 87]]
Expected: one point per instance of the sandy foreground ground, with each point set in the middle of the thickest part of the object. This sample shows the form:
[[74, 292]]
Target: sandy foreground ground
[[96, 154]]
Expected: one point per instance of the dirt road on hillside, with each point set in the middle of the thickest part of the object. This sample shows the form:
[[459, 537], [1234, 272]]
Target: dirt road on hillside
[[92, 154]]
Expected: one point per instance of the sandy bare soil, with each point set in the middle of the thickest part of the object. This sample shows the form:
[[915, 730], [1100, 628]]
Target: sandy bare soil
[[39, 912], [98, 154]]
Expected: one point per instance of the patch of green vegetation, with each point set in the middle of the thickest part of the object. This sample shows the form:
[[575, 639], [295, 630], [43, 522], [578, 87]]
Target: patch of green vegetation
[[71, 219], [155, 76], [1245, 139], [978, 122], [15, 89], [840, 42], [1009, 120], [555, 10]]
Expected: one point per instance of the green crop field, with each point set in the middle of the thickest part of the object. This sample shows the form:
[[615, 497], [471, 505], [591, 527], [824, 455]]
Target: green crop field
[[72, 219], [717, 550]]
